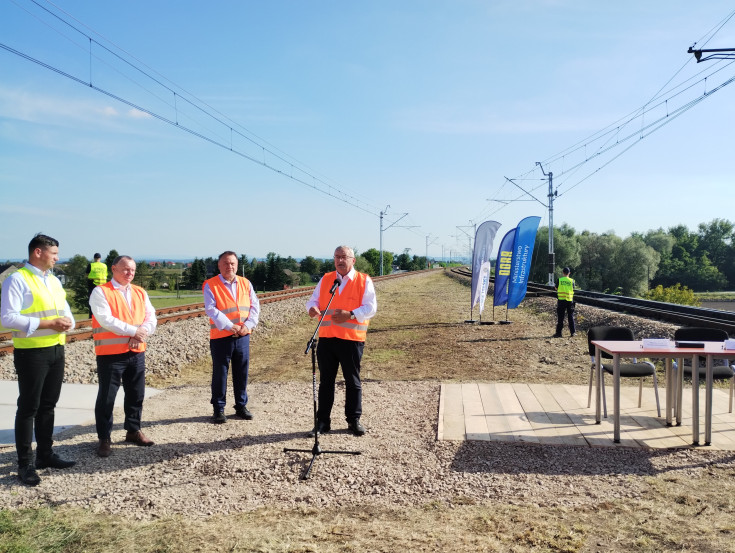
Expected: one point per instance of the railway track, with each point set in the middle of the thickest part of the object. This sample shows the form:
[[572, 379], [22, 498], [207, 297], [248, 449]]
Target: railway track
[[682, 315], [83, 329]]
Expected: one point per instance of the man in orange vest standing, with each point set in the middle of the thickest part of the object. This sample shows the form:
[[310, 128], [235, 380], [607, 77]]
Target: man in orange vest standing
[[233, 309], [122, 320], [342, 336]]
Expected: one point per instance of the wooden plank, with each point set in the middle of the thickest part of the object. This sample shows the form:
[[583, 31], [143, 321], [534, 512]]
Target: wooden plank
[[566, 430], [497, 423], [440, 417], [519, 425], [453, 420], [720, 398], [545, 430], [568, 397], [558, 414], [474, 415]]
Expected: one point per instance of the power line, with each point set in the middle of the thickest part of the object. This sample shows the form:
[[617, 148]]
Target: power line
[[285, 165], [666, 105]]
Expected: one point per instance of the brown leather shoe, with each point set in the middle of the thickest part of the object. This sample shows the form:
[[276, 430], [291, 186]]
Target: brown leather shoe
[[104, 448], [138, 438]]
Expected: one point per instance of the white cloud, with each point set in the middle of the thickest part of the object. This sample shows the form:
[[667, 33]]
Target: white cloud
[[138, 114]]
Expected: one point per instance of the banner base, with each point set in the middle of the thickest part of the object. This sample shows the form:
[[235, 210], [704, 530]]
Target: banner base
[[470, 321], [505, 322], [487, 322]]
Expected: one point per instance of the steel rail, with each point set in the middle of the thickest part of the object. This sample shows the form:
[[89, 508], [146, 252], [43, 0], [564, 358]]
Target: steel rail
[[682, 315]]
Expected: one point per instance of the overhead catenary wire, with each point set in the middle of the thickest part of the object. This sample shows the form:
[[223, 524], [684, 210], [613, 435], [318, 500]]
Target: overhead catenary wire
[[269, 156], [593, 149]]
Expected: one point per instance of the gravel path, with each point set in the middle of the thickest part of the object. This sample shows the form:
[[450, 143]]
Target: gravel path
[[197, 469]]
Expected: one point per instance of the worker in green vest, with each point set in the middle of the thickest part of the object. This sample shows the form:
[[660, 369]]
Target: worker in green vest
[[96, 276], [565, 302]]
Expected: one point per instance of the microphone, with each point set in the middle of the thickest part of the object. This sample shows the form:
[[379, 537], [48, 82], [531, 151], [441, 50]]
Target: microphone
[[334, 287]]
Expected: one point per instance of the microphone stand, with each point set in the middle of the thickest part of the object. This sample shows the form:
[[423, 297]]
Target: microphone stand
[[316, 450]]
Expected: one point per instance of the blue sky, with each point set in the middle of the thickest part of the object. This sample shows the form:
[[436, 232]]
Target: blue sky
[[423, 106]]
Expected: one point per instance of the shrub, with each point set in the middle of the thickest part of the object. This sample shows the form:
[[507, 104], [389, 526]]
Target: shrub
[[673, 294]]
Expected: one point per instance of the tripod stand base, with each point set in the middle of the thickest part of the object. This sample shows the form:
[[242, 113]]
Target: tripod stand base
[[315, 452]]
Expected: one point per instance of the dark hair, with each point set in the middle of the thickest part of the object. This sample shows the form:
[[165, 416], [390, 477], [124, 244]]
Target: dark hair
[[41, 241], [119, 258], [97, 256], [223, 254], [566, 270]]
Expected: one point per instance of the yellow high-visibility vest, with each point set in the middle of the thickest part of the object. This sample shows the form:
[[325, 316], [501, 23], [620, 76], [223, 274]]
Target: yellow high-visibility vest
[[97, 273], [49, 302], [566, 289]]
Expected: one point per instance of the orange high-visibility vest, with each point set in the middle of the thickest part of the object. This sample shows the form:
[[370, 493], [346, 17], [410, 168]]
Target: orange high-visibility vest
[[109, 343], [238, 312], [350, 298]]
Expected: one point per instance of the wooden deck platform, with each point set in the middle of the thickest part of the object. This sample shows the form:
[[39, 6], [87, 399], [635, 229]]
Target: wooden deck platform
[[558, 414]]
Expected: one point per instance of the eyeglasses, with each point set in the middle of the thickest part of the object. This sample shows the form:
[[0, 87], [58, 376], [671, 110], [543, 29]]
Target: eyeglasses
[[341, 257]]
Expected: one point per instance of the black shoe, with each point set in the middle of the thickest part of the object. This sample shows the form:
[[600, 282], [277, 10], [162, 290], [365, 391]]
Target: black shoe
[[28, 475], [243, 413], [54, 462], [321, 428], [355, 427], [556, 336], [219, 417]]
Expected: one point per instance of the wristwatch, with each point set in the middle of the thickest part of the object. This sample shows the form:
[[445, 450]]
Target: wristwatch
[[352, 315]]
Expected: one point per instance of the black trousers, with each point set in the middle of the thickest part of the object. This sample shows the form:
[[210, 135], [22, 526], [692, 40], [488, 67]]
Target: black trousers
[[112, 370], [564, 307], [330, 354], [40, 374]]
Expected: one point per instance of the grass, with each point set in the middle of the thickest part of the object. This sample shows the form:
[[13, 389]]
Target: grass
[[715, 296], [684, 509]]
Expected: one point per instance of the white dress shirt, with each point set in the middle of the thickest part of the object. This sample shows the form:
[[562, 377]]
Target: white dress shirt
[[368, 305], [17, 295], [220, 319], [102, 312]]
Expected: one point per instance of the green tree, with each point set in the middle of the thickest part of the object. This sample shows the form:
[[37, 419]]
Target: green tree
[[259, 275], [716, 242], [633, 261], [195, 275], [596, 261], [244, 269], [76, 281], [403, 260], [362, 265], [310, 265], [418, 263], [157, 278], [566, 252], [143, 274], [373, 257], [109, 260], [275, 277]]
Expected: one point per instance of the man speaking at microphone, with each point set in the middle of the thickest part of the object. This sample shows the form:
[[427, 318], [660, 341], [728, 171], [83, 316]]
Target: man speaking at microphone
[[342, 336]]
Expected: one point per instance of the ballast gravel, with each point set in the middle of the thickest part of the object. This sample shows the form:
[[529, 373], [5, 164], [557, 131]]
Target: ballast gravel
[[198, 469]]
